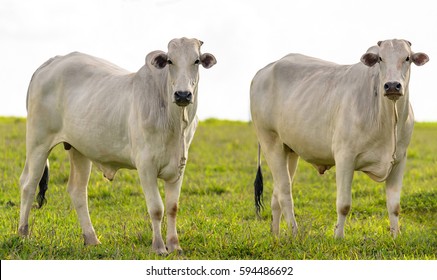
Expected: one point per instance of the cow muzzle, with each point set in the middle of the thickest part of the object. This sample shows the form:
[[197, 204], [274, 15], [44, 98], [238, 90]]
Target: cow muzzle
[[183, 98], [393, 90]]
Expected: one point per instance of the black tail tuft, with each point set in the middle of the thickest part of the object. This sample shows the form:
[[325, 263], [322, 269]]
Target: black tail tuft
[[259, 186], [43, 186]]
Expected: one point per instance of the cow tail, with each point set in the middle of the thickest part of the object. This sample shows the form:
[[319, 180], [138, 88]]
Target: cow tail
[[259, 186], [43, 186]]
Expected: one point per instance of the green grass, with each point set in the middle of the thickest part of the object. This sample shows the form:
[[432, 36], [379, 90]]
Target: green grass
[[217, 216]]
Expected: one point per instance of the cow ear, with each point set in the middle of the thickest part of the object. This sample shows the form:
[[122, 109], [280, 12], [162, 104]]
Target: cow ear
[[370, 59], [160, 60], [208, 60], [420, 58]]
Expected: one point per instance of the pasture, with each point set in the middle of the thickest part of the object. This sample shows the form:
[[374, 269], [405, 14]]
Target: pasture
[[217, 218]]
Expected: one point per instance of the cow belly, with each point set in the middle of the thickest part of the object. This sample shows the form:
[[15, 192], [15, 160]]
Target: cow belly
[[107, 158], [376, 165], [313, 150], [321, 159]]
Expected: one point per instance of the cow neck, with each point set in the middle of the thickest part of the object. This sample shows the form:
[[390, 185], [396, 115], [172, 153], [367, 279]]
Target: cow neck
[[183, 159], [184, 118], [401, 105], [391, 111], [395, 132], [394, 112]]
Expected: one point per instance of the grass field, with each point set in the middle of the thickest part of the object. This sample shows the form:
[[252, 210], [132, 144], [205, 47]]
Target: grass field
[[217, 218]]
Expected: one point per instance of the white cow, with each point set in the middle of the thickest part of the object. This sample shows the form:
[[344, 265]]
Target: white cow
[[115, 119], [356, 117]]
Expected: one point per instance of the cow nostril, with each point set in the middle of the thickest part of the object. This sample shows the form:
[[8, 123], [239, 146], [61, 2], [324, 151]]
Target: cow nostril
[[392, 86], [183, 94], [183, 97]]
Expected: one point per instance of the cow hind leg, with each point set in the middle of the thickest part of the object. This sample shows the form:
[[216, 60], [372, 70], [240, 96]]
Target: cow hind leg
[[277, 157], [293, 160], [31, 176], [80, 168], [172, 192]]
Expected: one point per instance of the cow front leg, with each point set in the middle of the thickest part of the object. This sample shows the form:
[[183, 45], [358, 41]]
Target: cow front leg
[[80, 169], [155, 208], [172, 192], [393, 195], [344, 177]]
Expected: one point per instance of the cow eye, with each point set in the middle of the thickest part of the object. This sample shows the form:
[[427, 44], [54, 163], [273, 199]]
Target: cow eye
[[169, 62], [197, 62], [380, 59], [407, 59]]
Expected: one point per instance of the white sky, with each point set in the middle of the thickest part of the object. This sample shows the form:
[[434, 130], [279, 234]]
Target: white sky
[[244, 36]]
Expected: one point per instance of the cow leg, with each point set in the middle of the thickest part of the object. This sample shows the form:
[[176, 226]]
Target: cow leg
[[278, 158], [344, 177], [293, 160], [172, 192], [393, 194], [29, 179], [80, 168], [155, 208]]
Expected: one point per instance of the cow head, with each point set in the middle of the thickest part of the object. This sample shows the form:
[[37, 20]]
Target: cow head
[[183, 60], [394, 58]]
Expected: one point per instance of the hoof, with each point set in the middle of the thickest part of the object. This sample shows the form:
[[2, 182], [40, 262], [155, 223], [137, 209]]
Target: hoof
[[23, 231], [90, 240], [395, 232], [338, 233], [177, 250], [173, 245], [161, 252], [295, 231], [159, 247]]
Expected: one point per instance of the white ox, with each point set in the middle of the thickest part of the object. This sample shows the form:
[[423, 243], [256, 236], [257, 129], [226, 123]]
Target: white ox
[[115, 119], [356, 117]]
